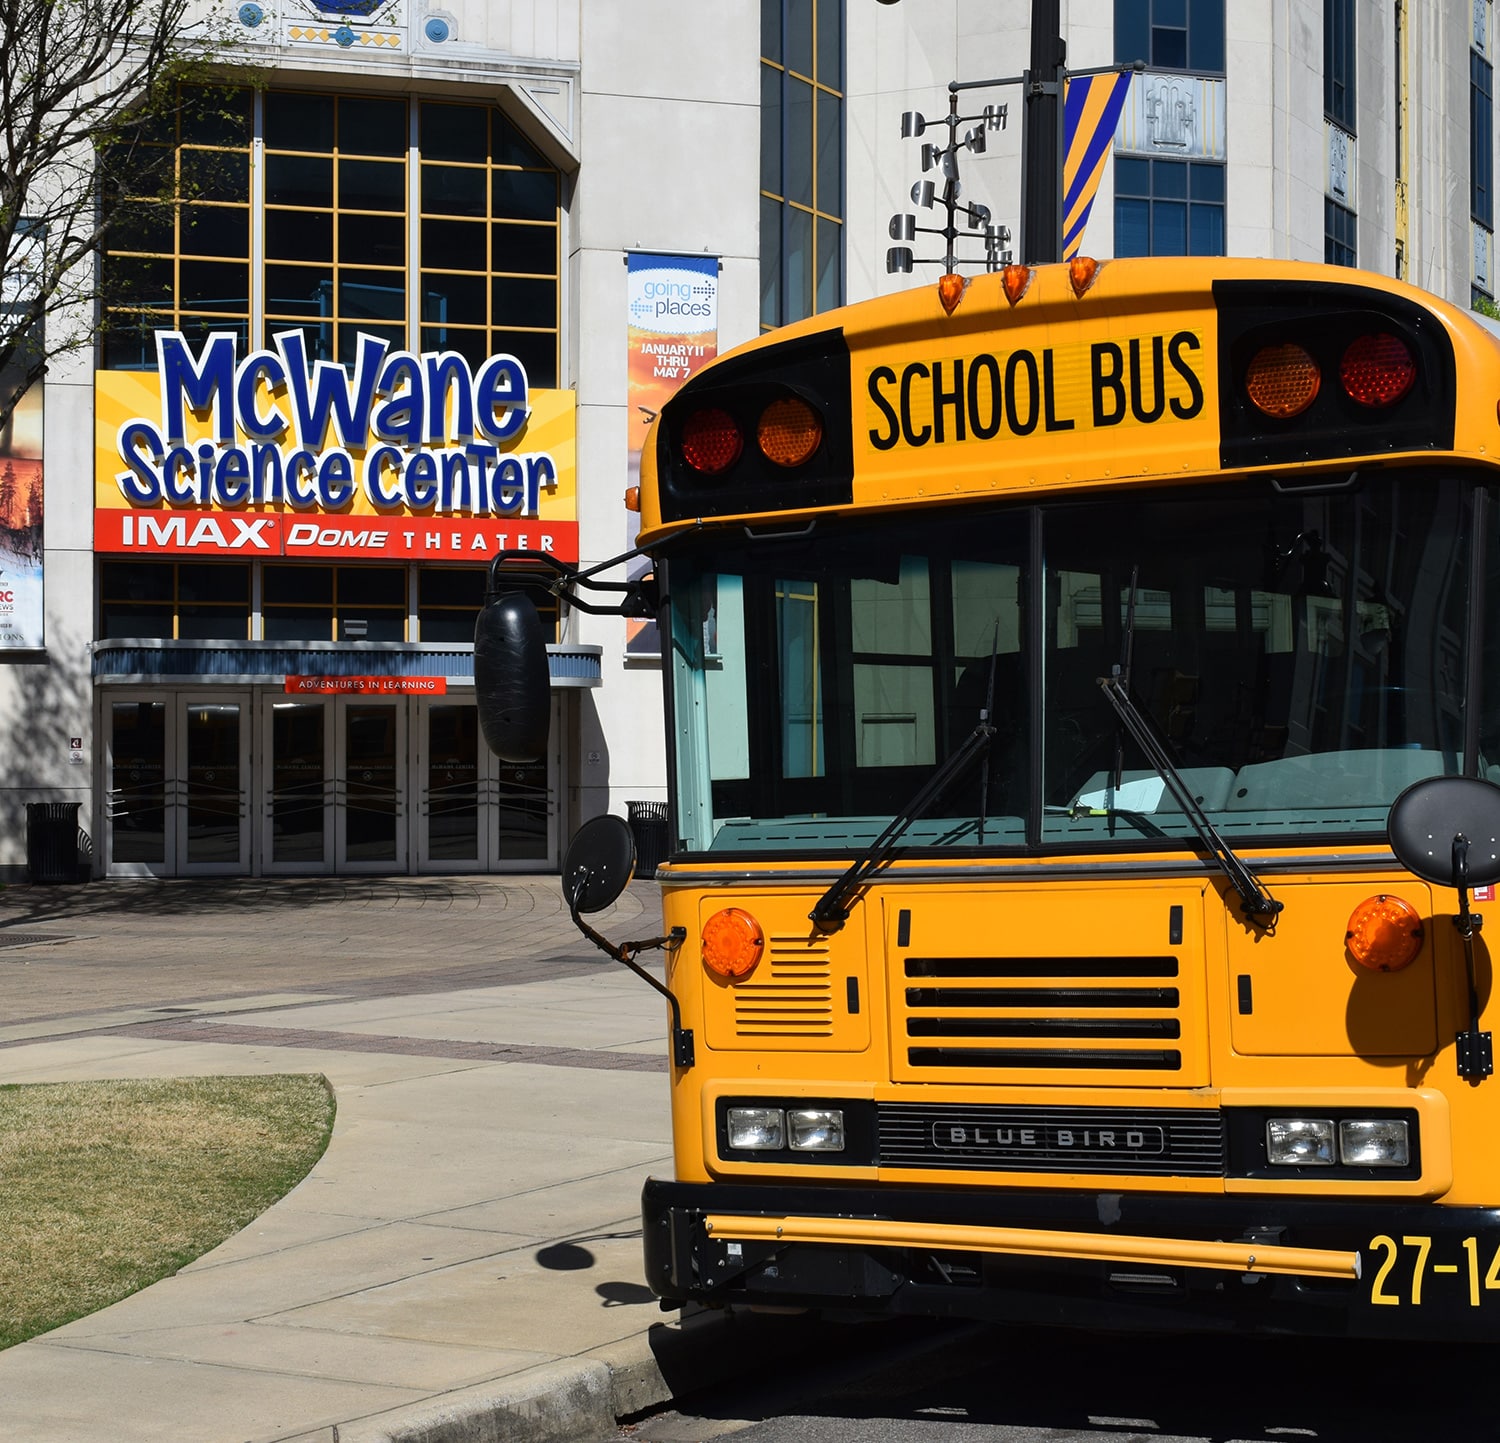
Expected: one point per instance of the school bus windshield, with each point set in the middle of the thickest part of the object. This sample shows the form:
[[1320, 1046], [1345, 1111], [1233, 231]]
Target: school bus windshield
[[1299, 653]]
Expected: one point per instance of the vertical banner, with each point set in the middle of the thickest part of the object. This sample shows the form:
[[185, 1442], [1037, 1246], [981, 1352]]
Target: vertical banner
[[21, 521], [1091, 111], [673, 313]]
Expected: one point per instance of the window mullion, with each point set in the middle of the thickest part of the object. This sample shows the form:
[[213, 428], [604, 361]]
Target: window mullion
[[257, 221], [413, 228]]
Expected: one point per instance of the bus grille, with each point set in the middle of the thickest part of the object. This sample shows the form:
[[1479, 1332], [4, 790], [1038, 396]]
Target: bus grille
[[791, 994], [1117, 1014], [1140, 1142]]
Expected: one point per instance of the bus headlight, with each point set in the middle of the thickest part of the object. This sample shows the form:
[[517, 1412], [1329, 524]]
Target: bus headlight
[[756, 1129], [1374, 1142], [815, 1129], [1299, 1141]]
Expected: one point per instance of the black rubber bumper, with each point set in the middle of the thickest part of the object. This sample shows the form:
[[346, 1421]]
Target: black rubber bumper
[[1427, 1272]]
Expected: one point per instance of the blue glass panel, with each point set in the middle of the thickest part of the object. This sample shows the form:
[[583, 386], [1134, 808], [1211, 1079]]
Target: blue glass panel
[[1206, 35], [1132, 31], [1132, 177], [1169, 228], [1169, 179], [1207, 230], [1132, 228], [1206, 182]]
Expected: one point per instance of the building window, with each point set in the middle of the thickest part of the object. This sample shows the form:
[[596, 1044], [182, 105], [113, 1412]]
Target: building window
[[801, 159], [434, 225], [179, 250], [1481, 140], [1171, 34], [1340, 247], [174, 600], [1339, 63], [449, 599], [333, 603], [1168, 207]]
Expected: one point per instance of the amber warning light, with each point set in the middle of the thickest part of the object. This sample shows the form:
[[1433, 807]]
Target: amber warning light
[[732, 943], [1384, 933]]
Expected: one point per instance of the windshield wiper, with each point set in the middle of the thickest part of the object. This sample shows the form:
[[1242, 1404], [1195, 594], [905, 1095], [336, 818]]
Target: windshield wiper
[[1260, 906], [833, 907]]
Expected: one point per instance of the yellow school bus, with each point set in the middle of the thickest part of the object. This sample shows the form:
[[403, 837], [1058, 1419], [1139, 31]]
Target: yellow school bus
[[1083, 712]]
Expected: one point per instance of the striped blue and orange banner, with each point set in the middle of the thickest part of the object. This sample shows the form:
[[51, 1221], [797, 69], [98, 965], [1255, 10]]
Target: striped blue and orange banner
[[1091, 111]]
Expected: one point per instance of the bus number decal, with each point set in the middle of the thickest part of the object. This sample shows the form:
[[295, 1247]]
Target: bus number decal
[[1380, 1295], [1146, 379]]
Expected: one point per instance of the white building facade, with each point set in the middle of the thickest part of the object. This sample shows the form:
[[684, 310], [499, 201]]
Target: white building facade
[[397, 318]]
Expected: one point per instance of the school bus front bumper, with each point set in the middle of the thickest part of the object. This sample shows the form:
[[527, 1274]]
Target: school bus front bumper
[[1120, 1260]]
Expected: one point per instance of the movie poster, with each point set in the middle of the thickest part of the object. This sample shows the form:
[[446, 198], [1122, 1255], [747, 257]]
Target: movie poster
[[21, 525], [673, 308]]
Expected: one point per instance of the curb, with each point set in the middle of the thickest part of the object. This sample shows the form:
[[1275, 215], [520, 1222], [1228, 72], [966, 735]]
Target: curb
[[581, 1399], [554, 1403]]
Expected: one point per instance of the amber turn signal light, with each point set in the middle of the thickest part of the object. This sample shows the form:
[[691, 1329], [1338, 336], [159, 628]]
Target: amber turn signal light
[[789, 431], [1283, 381], [732, 943], [1385, 934]]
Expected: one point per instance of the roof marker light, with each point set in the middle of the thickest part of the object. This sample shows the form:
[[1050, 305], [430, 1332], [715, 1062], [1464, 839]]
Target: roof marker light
[[951, 288], [1015, 281], [1083, 271], [1283, 381]]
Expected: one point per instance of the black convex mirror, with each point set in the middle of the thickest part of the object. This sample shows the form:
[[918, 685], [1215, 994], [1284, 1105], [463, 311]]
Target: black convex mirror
[[1446, 830], [1430, 816], [512, 683], [599, 862]]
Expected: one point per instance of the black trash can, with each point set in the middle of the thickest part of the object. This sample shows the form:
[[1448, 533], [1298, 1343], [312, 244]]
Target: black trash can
[[648, 825], [52, 841]]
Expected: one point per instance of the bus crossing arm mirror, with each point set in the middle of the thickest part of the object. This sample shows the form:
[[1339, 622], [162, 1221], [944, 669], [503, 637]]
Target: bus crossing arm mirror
[[512, 681], [1446, 830], [600, 861]]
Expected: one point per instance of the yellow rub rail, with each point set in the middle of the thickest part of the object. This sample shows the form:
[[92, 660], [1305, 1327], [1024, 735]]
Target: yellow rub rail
[[1245, 1257]]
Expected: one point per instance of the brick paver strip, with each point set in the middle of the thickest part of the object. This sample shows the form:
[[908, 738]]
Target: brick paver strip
[[190, 1030]]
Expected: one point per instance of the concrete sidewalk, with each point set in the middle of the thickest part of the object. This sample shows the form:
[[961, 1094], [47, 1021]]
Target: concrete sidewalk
[[465, 1261]]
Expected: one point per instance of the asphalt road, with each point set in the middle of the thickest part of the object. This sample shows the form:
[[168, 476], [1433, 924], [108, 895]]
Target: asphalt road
[[1000, 1385]]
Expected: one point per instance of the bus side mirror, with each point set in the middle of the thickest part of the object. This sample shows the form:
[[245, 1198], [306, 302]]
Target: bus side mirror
[[512, 683], [599, 862], [1446, 830]]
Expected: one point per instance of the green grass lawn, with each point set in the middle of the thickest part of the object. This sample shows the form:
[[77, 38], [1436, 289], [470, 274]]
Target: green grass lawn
[[108, 1186]]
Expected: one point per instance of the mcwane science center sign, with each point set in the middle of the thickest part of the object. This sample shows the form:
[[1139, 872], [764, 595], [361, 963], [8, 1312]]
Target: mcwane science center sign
[[399, 457]]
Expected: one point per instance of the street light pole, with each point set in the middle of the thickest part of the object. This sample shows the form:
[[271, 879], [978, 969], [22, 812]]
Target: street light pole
[[1041, 138]]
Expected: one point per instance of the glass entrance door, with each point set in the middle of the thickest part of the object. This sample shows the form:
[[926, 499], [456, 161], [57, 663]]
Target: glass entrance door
[[334, 772], [135, 788], [213, 772], [298, 765], [476, 813], [370, 786], [177, 785], [451, 836]]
